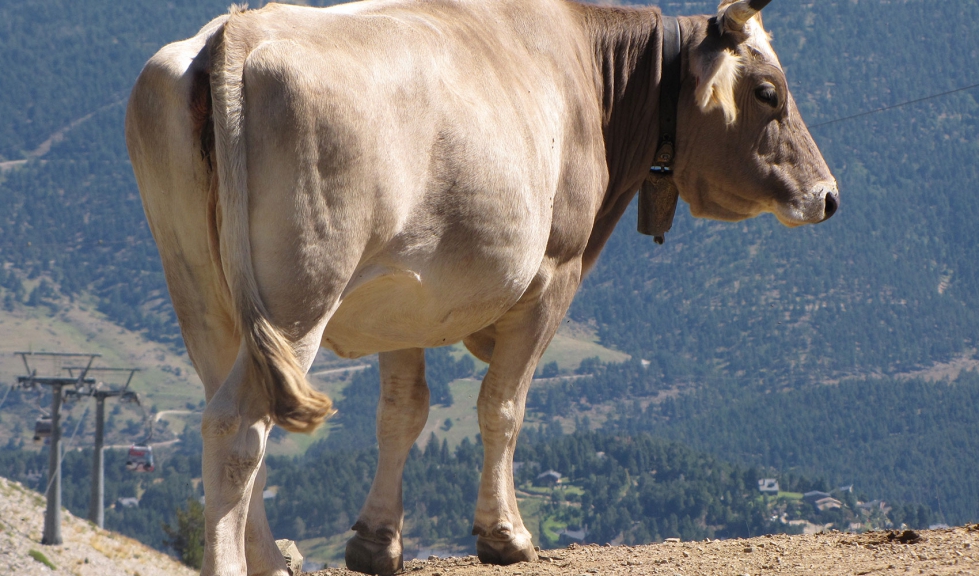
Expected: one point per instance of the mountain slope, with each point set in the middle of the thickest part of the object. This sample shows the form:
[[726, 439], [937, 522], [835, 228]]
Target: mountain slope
[[87, 550], [889, 284]]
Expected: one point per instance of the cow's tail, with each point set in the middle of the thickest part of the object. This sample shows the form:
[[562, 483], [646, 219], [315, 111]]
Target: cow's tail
[[272, 361]]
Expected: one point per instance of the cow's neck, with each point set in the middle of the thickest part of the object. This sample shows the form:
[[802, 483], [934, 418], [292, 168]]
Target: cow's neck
[[628, 65]]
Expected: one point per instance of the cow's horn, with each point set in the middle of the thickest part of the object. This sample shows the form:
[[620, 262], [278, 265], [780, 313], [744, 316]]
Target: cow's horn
[[737, 15]]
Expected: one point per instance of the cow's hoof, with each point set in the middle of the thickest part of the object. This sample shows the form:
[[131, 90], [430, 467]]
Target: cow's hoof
[[504, 552], [374, 553]]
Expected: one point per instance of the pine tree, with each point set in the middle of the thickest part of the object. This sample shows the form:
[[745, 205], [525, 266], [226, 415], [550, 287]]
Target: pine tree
[[187, 537]]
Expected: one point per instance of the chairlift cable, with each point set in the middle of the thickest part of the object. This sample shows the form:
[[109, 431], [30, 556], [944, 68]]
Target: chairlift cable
[[37, 403], [5, 394], [75, 431], [140, 458], [893, 106], [147, 425], [67, 446]]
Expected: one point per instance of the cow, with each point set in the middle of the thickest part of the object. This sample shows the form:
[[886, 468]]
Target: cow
[[389, 176]]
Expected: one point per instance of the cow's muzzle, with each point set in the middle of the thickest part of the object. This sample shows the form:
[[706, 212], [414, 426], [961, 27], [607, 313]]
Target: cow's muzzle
[[822, 201]]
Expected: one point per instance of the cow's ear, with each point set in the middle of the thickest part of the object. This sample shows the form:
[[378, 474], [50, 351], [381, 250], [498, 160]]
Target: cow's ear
[[717, 74]]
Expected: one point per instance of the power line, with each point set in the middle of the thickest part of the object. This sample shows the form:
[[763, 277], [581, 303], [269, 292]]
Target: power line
[[893, 106], [76, 244]]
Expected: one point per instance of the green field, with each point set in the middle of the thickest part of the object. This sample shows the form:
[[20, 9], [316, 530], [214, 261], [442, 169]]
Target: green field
[[167, 380]]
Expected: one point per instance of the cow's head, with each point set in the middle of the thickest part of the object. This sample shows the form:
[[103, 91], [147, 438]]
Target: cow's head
[[743, 148]]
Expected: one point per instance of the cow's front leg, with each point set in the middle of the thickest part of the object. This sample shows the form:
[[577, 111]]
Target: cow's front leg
[[401, 414], [235, 428], [522, 334]]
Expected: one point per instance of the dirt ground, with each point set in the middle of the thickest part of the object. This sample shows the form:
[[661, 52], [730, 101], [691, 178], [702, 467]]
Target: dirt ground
[[932, 552]]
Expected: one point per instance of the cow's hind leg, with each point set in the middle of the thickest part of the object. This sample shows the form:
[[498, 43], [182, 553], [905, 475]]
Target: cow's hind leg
[[401, 414], [235, 427], [261, 553], [521, 336]]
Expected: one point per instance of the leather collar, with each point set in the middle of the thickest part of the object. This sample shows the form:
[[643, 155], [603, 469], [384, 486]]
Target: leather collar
[[658, 195], [669, 96]]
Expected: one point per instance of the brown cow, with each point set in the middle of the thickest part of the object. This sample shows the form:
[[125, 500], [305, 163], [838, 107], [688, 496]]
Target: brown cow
[[388, 176]]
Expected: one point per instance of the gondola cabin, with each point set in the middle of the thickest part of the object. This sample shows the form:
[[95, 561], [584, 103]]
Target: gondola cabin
[[140, 459], [42, 428]]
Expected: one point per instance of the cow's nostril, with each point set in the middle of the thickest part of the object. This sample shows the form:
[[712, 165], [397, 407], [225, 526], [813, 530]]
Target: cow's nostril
[[832, 204]]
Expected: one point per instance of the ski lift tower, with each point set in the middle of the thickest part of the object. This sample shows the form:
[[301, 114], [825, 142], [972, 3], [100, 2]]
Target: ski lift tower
[[81, 384], [96, 505]]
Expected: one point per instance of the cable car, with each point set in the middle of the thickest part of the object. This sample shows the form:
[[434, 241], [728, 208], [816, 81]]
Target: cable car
[[43, 428], [140, 459]]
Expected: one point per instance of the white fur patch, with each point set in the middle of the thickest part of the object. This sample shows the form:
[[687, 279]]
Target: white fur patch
[[716, 82], [760, 40], [718, 76]]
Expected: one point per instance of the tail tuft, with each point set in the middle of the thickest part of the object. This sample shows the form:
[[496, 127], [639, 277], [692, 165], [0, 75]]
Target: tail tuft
[[294, 404]]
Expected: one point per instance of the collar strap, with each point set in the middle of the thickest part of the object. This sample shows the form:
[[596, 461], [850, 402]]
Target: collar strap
[[658, 194], [669, 97]]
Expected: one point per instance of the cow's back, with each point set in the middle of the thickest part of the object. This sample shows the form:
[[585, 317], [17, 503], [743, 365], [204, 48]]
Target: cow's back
[[426, 144]]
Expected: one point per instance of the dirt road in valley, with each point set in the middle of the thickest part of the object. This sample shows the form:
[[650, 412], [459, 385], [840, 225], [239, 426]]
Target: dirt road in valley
[[933, 552]]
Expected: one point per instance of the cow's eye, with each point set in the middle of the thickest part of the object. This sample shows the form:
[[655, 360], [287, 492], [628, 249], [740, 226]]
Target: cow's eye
[[767, 94]]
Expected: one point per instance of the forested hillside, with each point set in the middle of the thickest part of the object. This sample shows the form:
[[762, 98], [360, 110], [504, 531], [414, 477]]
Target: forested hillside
[[71, 220], [905, 440], [902, 440], [743, 325], [890, 283], [625, 489]]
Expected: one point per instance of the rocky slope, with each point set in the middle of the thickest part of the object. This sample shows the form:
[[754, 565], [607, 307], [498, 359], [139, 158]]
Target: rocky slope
[[87, 550]]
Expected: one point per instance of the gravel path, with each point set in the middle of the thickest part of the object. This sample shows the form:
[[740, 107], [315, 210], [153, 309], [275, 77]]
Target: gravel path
[[932, 552]]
